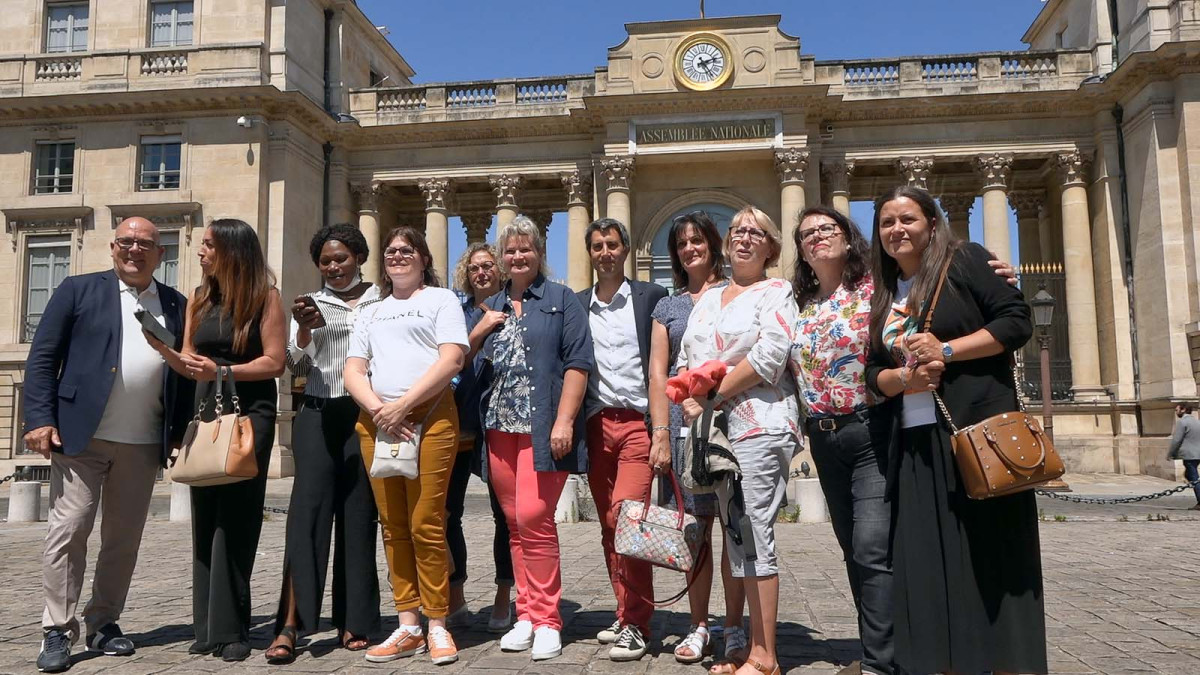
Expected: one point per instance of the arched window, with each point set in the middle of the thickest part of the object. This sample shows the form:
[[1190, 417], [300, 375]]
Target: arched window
[[660, 261]]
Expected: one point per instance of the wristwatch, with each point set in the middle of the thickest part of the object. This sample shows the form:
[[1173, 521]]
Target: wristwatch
[[947, 352]]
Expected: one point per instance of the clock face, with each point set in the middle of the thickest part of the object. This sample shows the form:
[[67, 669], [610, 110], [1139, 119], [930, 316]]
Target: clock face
[[703, 63]]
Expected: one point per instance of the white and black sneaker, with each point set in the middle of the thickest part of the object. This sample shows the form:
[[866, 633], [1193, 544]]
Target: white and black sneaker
[[629, 645], [609, 635]]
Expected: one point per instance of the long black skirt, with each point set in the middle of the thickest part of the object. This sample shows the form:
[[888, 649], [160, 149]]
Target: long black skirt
[[968, 573]]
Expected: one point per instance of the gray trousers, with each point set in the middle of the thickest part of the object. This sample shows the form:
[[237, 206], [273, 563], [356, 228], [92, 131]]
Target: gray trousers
[[124, 475], [764, 463]]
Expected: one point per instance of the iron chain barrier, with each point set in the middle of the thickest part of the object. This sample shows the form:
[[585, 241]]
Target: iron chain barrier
[[1117, 500]]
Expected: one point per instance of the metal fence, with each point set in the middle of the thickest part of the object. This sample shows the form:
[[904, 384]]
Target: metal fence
[[1035, 276]]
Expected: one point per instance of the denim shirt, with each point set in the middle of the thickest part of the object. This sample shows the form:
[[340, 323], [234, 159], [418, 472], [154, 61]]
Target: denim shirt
[[556, 339]]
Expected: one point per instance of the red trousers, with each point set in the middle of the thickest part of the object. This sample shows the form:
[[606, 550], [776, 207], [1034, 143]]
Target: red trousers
[[619, 469]]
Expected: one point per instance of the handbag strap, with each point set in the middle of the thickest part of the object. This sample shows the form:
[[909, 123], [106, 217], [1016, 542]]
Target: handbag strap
[[678, 500], [224, 375]]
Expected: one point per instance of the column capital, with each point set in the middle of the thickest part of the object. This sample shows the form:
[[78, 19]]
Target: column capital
[[368, 194], [792, 165], [506, 186], [1026, 203], [957, 206], [437, 192], [618, 171], [578, 184], [837, 174], [995, 170], [476, 224], [542, 219], [915, 170], [1072, 167]]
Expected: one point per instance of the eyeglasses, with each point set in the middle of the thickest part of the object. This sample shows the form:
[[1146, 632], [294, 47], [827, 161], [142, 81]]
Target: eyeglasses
[[402, 252], [826, 230], [754, 234], [481, 267], [128, 243]]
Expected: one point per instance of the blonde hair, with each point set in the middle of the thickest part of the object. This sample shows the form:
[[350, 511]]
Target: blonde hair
[[764, 222], [462, 279], [522, 226]]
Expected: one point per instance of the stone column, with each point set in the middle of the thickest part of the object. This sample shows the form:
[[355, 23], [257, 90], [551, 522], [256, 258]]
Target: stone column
[[578, 184], [915, 170], [1045, 236], [618, 172], [996, 169], [506, 187], [437, 225], [1081, 285], [368, 195], [476, 225], [542, 219], [792, 167], [837, 176], [957, 208], [1028, 206]]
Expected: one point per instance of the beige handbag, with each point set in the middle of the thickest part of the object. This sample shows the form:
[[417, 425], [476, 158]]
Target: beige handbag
[[217, 452]]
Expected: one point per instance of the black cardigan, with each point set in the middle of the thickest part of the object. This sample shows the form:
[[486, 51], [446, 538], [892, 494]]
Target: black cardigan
[[974, 297]]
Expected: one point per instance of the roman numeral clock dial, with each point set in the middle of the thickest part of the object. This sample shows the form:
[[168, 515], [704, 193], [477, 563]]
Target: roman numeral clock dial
[[702, 62]]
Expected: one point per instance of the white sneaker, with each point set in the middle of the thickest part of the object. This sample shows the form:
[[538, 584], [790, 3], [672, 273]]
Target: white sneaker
[[547, 644], [519, 638]]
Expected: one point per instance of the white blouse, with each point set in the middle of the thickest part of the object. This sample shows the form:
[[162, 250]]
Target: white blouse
[[757, 326]]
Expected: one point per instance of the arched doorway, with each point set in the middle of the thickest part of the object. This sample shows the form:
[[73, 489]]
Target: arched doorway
[[660, 260]]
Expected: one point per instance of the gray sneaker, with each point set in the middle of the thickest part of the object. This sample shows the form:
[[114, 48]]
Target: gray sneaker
[[55, 656], [111, 641], [629, 645], [609, 635]]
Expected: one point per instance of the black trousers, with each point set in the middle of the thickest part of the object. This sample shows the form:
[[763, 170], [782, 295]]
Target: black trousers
[[456, 494], [852, 469], [331, 497]]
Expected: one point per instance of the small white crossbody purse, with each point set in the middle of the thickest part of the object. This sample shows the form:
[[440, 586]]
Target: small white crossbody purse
[[396, 457]]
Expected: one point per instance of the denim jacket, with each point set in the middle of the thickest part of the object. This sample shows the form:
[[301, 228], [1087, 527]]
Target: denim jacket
[[556, 338]]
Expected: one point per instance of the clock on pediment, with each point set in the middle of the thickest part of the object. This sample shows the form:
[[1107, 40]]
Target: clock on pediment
[[703, 61]]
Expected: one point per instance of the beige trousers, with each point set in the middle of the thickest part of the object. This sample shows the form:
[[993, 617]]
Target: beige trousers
[[124, 475]]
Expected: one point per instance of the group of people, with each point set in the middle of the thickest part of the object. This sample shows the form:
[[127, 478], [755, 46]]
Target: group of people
[[523, 382]]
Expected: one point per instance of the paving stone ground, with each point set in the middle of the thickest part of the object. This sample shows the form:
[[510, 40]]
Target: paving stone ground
[[1121, 597]]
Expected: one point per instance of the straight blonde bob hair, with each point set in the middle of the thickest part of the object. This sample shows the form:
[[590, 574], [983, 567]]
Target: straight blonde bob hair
[[753, 215], [522, 226]]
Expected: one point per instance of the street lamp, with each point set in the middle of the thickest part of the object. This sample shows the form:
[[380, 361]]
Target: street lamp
[[1043, 317]]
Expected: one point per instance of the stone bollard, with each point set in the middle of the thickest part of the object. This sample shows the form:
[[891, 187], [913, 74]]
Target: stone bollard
[[567, 510], [181, 503], [25, 502], [811, 500]]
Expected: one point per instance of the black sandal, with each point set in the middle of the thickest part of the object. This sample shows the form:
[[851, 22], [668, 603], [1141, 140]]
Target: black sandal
[[352, 642], [282, 654]]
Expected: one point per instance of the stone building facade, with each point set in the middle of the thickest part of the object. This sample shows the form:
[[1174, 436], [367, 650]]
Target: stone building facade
[[277, 113]]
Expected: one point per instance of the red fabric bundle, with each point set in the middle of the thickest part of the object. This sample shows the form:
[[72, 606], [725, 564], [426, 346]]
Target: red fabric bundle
[[696, 382]]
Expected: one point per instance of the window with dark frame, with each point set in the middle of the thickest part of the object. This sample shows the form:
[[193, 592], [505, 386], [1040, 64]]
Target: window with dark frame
[[66, 27], [171, 23], [161, 161], [54, 170]]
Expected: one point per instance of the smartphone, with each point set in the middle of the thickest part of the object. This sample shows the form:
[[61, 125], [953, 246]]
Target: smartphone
[[308, 301], [152, 326]]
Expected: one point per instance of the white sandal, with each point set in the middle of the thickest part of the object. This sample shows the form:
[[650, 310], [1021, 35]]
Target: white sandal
[[698, 641]]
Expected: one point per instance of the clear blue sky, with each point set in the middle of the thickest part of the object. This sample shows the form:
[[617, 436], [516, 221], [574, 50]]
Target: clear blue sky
[[484, 39]]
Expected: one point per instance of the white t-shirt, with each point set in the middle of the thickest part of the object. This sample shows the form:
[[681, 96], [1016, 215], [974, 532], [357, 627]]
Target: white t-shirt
[[400, 338], [134, 413], [919, 408]]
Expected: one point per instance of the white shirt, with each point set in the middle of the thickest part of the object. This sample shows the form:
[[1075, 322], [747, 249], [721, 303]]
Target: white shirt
[[134, 413], [619, 382], [918, 408], [400, 338]]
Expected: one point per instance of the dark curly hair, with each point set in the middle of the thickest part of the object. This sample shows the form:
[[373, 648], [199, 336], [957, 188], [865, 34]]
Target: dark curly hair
[[343, 232], [805, 284]]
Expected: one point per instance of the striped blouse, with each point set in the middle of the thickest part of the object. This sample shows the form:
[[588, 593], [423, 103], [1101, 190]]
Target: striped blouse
[[323, 359]]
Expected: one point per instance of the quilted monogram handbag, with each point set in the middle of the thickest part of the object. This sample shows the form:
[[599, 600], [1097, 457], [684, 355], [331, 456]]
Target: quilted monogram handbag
[[661, 536], [217, 452]]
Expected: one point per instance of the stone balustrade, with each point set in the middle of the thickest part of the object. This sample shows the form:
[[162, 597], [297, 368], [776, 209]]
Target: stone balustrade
[[996, 70], [499, 98]]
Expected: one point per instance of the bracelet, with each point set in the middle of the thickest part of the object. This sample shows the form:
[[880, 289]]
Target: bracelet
[[905, 373], [659, 427]]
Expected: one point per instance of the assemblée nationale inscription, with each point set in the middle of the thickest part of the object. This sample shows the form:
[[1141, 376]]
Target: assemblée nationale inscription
[[720, 130]]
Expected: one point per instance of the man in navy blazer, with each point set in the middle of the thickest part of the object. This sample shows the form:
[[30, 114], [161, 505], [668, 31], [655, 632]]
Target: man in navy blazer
[[104, 408], [619, 316]]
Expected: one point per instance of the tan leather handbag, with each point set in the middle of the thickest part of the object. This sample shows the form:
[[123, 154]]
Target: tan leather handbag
[[1005, 453], [217, 452]]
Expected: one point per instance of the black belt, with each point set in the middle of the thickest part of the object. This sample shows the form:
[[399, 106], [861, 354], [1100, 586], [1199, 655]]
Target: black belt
[[835, 422]]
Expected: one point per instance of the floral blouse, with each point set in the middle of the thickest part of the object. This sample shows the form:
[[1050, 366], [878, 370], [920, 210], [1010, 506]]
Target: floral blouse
[[756, 326], [829, 354], [508, 410]]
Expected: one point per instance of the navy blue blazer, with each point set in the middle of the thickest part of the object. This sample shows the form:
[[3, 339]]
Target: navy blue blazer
[[645, 298], [75, 355]]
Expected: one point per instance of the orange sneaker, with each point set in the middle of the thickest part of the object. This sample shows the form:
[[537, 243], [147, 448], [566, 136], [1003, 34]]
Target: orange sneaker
[[441, 647], [399, 644]]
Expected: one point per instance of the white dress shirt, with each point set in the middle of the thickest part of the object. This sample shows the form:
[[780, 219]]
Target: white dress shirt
[[321, 361], [619, 380], [134, 413]]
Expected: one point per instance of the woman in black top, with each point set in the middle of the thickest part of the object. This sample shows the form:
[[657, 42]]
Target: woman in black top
[[968, 580], [235, 322]]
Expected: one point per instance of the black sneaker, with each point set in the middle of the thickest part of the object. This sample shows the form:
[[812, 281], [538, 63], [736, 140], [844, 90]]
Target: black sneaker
[[609, 635], [55, 656], [235, 651], [203, 648], [629, 645], [110, 640]]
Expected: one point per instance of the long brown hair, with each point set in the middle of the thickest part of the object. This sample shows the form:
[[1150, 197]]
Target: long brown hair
[[805, 283], [416, 239], [239, 279], [886, 271], [712, 236]]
